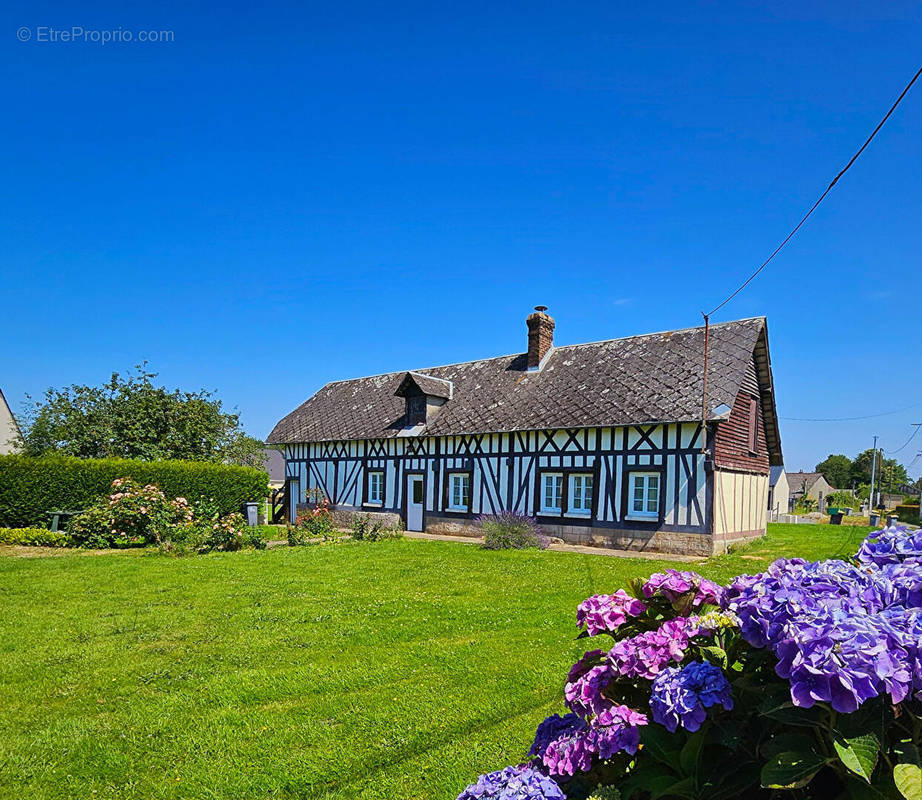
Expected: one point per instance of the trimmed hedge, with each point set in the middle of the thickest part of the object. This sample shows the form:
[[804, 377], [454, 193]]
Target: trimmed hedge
[[907, 513], [31, 487], [37, 537]]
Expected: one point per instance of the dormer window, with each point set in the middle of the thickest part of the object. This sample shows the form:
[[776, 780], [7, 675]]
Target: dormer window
[[425, 395]]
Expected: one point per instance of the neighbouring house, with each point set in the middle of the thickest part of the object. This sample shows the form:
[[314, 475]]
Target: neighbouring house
[[779, 492], [9, 430], [812, 484], [601, 442], [274, 464]]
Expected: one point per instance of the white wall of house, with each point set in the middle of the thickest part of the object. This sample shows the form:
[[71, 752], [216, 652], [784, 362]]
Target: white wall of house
[[740, 503], [8, 429]]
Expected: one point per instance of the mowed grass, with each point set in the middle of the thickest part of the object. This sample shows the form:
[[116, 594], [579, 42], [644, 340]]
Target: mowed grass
[[389, 671]]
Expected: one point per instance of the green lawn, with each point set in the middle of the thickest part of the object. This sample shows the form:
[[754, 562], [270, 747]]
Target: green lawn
[[389, 671]]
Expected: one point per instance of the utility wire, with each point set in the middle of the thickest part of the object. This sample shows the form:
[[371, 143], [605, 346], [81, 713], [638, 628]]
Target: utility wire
[[851, 419], [906, 443], [822, 196]]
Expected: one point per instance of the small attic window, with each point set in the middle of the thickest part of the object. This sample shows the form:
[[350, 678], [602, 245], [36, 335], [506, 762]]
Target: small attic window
[[416, 410], [425, 395]]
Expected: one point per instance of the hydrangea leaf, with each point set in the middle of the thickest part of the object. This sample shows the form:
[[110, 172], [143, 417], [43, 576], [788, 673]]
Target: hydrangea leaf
[[789, 714], [661, 745], [690, 753], [791, 770], [858, 754], [716, 655], [908, 779], [683, 788]]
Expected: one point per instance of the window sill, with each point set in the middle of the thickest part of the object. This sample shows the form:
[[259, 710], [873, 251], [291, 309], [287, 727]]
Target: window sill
[[641, 518], [579, 514], [373, 505], [551, 512], [457, 510]]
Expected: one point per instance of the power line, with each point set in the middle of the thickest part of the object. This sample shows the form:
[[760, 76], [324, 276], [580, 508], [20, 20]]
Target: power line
[[851, 419], [821, 198], [918, 426]]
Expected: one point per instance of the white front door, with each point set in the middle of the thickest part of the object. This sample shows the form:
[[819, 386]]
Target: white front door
[[414, 502]]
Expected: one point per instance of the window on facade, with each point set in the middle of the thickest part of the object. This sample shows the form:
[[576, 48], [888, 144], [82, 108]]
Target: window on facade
[[376, 488], [459, 491], [753, 425], [644, 497], [551, 492], [580, 495]]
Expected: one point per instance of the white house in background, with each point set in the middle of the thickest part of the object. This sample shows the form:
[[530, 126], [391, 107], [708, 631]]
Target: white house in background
[[602, 442], [9, 430], [779, 493]]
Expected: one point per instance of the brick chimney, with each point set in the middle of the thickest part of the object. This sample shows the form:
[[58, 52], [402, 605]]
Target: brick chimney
[[540, 336]]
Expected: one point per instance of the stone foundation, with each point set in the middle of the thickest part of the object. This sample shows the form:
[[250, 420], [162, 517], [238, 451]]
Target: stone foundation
[[342, 517], [665, 542], [688, 544]]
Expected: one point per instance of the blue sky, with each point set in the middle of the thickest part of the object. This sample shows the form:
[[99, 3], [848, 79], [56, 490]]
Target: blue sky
[[287, 194]]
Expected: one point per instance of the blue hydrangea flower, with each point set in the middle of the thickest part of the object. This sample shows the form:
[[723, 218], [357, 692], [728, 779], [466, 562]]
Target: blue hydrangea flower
[[891, 545], [682, 696], [513, 783]]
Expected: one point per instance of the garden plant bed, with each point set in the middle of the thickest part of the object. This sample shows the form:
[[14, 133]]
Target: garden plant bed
[[394, 670]]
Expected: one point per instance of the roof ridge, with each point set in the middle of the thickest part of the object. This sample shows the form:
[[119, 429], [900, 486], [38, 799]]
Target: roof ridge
[[556, 348]]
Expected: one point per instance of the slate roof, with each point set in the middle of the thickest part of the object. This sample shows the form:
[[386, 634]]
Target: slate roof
[[655, 377], [796, 480], [774, 474]]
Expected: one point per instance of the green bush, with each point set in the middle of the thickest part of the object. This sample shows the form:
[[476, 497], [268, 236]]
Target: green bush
[[907, 513], [31, 487], [37, 537]]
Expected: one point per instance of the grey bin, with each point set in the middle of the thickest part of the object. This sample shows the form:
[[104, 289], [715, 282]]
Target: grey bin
[[875, 520], [250, 512], [892, 519]]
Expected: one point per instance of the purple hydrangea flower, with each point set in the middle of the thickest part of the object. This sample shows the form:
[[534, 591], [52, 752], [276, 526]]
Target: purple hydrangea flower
[[513, 783], [673, 583], [648, 653], [890, 546], [584, 695], [554, 727], [682, 696], [613, 731], [605, 613]]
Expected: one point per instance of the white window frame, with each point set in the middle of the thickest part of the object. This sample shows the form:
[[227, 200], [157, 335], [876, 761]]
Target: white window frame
[[464, 479], [372, 499], [644, 514], [545, 479], [584, 509]]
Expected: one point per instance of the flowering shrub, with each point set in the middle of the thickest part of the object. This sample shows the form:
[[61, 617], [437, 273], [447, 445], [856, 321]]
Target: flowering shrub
[[315, 523], [804, 680], [134, 515], [130, 515], [509, 530]]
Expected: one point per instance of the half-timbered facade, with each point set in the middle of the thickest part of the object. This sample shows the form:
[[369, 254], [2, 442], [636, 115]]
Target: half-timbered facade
[[602, 442]]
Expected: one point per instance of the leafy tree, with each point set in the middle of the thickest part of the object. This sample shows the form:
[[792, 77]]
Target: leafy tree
[[890, 473], [838, 470], [131, 418]]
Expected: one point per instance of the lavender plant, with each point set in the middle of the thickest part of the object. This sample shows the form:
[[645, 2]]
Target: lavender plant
[[803, 681], [510, 530]]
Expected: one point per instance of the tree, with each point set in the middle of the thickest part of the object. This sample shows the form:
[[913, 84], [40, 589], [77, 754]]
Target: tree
[[838, 470], [131, 418], [889, 473]]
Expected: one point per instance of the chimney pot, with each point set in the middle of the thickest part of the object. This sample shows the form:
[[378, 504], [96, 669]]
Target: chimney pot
[[540, 336]]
